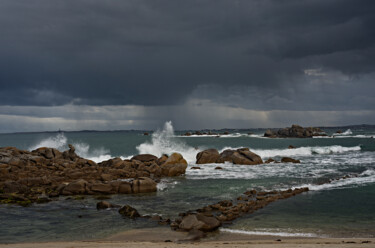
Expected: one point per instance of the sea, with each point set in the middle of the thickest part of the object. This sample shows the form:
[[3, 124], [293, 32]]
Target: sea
[[342, 208]]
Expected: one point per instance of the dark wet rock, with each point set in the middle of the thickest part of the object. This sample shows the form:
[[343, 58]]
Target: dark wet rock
[[207, 156], [218, 168], [295, 131], [290, 160], [145, 133], [129, 212], [104, 205], [270, 160], [291, 147], [195, 168], [339, 131]]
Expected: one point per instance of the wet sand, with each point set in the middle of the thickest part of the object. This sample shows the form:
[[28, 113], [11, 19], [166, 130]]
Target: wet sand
[[164, 238]]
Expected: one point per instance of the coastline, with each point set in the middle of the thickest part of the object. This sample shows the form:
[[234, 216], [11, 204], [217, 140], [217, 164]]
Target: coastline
[[165, 237]]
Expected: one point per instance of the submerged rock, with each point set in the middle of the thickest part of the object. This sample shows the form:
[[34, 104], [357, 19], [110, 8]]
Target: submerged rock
[[290, 160], [104, 205], [129, 212]]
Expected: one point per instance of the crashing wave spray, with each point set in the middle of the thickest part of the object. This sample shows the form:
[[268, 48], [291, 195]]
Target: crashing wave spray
[[164, 142], [60, 142]]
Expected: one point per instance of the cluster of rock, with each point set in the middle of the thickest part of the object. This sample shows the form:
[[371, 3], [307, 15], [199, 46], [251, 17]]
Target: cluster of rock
[[207, 219], [198, 133], [27, 177], [240, 156], [295, 131]]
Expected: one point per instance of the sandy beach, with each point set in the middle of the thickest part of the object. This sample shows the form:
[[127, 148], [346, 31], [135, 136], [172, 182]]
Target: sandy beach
[[164, 237]]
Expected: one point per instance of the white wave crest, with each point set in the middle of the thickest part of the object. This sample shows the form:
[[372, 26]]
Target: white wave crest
[[269, 233], [366, 177], [164, 142], [305, 151], [60, 142]]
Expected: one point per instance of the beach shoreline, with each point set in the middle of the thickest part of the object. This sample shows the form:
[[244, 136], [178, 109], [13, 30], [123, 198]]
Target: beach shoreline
[[164, 237]]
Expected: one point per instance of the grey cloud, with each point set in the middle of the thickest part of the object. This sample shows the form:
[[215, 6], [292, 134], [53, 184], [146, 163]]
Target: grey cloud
[[252, 53]]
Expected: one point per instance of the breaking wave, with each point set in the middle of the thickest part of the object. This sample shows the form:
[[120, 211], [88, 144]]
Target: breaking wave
[[164, 142], [366, 177], [60, 142], [268, 233], [305, 151]]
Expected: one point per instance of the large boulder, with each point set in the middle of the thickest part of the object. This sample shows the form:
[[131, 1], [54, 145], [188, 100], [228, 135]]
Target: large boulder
[[207, 156], [254, 158], [239, 156], [144, 185], [199, 222], [75, 188], [144, 157], [175, 165], [48, 153]]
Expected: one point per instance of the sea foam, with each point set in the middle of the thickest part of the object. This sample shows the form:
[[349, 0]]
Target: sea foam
[[269, 233], [164, 142], [60, 142]]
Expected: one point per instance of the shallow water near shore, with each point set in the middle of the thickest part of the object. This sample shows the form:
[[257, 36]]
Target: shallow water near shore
[[343, 208]]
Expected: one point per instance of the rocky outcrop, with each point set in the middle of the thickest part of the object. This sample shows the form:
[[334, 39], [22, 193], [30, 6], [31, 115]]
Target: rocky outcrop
[[210, 217], [175, 165], [47, 171], [240, 156], [295, 131]]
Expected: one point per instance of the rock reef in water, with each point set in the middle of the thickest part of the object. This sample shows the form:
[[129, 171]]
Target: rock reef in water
[[35, 176], [240, 156], [295, 131]]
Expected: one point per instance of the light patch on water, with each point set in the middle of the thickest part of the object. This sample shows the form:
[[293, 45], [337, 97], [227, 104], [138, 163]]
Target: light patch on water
[[269, 232]]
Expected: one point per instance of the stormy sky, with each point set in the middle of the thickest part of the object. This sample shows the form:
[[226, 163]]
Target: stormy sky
[[133, 64]]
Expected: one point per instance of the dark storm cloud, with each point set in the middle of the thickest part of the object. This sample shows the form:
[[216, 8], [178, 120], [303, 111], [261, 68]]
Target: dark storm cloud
[[162, 52]]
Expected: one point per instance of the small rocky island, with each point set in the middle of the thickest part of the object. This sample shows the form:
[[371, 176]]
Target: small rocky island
[[295, 131]]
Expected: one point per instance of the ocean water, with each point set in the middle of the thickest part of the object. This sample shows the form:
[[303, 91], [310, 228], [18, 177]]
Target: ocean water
[[343, 208]]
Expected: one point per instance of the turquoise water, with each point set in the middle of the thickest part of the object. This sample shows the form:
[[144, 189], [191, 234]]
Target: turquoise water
[[342, 208]]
